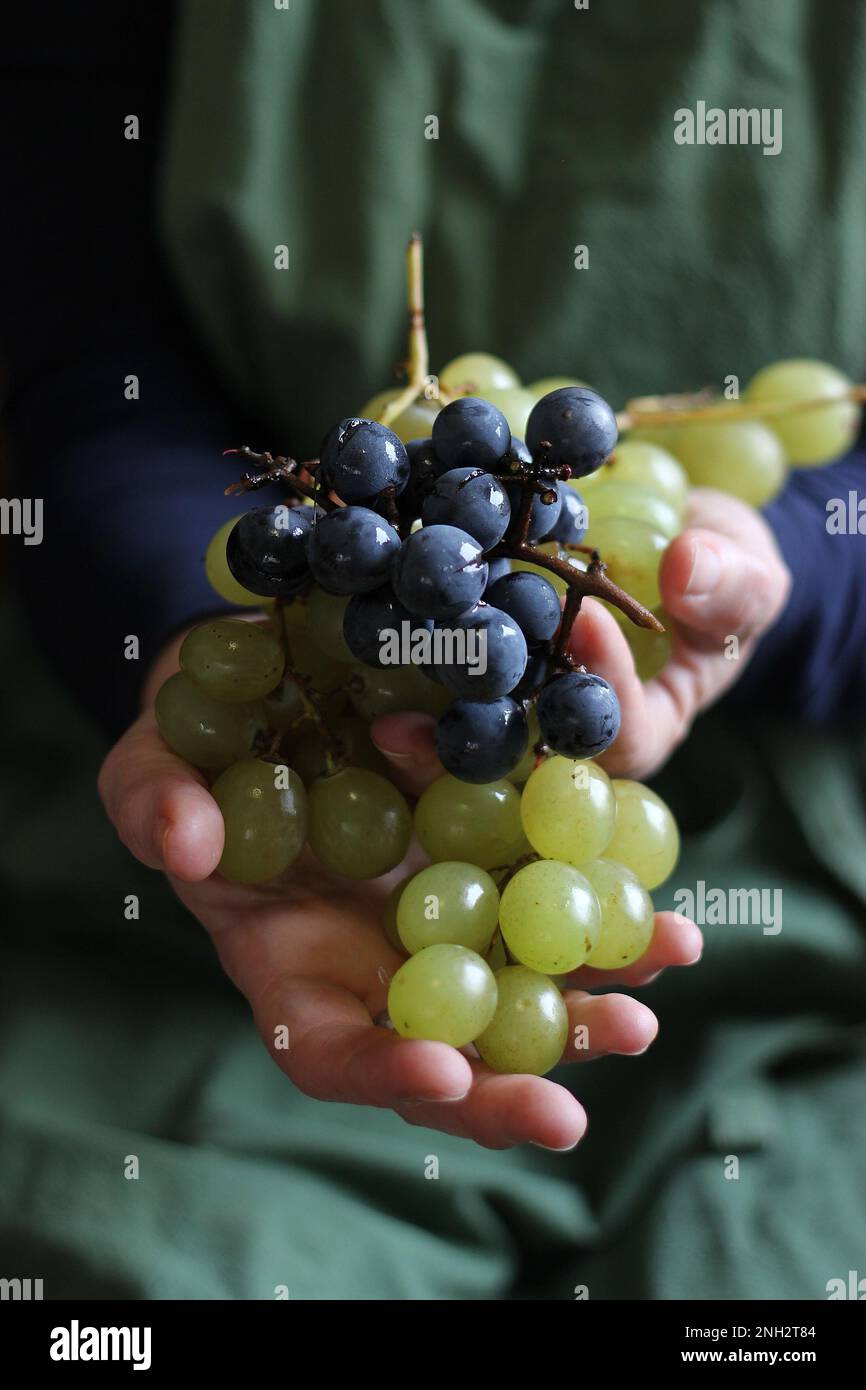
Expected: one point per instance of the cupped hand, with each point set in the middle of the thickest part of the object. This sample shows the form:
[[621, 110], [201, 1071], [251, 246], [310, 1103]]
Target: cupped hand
[[309, 954]]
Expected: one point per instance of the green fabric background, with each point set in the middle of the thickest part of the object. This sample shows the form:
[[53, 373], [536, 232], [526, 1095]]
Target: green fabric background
[[305, 127], [122, 1038]]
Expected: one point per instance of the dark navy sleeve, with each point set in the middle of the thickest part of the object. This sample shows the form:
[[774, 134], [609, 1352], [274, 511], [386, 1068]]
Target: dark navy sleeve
[[131, 489], [812, 664]]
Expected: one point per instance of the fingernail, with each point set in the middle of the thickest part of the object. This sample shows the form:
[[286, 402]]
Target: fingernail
[[552, 1148], [395, 757], [706, 571]]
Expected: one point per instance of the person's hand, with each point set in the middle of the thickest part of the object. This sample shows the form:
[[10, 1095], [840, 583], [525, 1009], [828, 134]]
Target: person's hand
[[722, 578], [309, 953]]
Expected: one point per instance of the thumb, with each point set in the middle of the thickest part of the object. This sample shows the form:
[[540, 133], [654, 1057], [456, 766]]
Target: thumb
[[715, 588], [160, 806], [407, 741]]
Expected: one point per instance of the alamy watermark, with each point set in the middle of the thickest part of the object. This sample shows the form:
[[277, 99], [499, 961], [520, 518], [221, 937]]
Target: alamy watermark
[[22, 516], [846, 516], [739, 125], [444, 646], [732, 907]]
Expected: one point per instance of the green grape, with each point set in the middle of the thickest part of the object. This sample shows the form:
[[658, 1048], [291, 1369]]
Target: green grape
[[522, 769], [389, 915], [211, 734], [444, 993], [549, 917], [651, 650], [632, 552], [394, 688], [476, 373], [645, 836], [360, 825], [264, 808], [415, 422], [546, 384], [635, 504], [285, 706], [568, 810], [452, 902], [515, 405], [305, 747], [626, 915], [648, 466], [232, 660], [220, 577], [808, 436], [743, 457], [553, 549], [475, 823], [496, 954], [530, 1027], [325, 624], [308, 659], [659, 436]]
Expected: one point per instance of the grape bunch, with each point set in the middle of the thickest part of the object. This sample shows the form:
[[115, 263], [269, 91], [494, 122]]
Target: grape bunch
[[393, 590], [524, 888]]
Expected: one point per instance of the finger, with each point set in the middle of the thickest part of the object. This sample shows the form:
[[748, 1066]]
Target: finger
[[605, 1023], [715, 587], [502, 1111], [675, 941], [324, 1039], [407, 741], [159, 805]]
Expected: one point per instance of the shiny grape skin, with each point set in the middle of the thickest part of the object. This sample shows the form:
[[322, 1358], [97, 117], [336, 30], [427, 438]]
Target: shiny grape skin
[[233, 660], [472, 433], [577, 424], [471, 499], [360, 824], [361, 458], [481, 741], [265, 826], [531, 601], [439, 572], [367, 615], [543, 516], [506, 655], [573, 520], [579, 715], [529, 1030], [211, 734], [351, 550], [267, 550]]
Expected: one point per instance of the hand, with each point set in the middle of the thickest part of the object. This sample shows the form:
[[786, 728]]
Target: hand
[[309, 954], [722, 577]]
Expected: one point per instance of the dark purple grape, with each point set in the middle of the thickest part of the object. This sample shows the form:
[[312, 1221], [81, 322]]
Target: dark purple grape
[[573, 519], [481, 742], [531, 601], [367, 616], [361, 458], [578, 714], [573, 427], [543, 515], [267, 549], [473, 500], [470, 433], [351, 550], [439, 572], [480, 655]]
